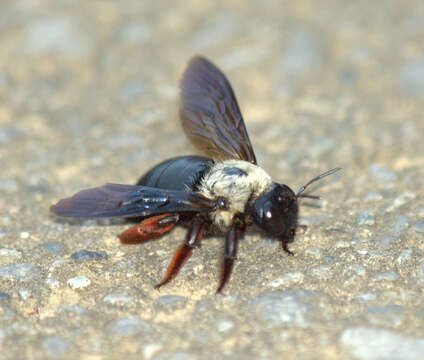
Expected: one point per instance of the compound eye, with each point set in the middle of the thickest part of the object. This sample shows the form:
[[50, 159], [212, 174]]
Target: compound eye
[[281, 197], [292, 232]]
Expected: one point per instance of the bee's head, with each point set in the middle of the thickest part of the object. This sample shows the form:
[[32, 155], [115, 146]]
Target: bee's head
[[275, 211]]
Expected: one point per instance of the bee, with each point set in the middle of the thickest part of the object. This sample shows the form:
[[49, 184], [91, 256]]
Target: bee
[[225, 192]]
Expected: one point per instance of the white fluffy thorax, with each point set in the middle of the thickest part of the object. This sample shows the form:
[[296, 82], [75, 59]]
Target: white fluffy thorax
[[238, 182]]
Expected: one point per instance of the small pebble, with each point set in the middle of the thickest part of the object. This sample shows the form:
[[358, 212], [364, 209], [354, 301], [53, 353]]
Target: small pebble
[[9, 255], [224, 325], [151, 350], [372, 196], [342, 244], [79, 282], [24, 235], [87, 255], [130, 325], [358, 269], [286, 308], [21, 271], [314, 252], [75, 309], [170, 303], [57, 264], [369, 343], [118, 299], [287, 280], [401, 200], [54, 247], [365, 217], [366, 297]]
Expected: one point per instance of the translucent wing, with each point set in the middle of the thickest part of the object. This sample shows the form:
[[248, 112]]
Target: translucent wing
[[116, 200], [210, 114]]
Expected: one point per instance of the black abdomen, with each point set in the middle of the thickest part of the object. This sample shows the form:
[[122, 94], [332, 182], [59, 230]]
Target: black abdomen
[[180, 173]]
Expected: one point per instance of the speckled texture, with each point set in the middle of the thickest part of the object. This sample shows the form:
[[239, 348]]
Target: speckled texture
[[88, 95]]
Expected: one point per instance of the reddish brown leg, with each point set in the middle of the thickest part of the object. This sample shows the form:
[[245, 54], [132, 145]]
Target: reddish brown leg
[[183, 253], [149, 228], [231, 241]]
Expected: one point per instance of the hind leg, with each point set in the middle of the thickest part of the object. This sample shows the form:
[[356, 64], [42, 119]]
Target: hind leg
[[150, 228]]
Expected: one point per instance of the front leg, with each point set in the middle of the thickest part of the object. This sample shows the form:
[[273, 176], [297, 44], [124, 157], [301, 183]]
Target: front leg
[[284, 245], [231, 242], [287, 239]]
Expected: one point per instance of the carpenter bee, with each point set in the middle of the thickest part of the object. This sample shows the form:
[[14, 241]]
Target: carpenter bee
[[226, 192]]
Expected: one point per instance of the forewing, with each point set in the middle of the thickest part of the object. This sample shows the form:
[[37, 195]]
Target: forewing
[[116, 200], [210, 114]]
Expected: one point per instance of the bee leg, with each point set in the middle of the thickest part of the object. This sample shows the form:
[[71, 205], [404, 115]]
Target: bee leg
[[149, 228], [231, 241], [183, 253], [284, 245]]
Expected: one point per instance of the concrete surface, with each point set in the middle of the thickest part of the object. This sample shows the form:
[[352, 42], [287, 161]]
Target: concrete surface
[[88, 94]]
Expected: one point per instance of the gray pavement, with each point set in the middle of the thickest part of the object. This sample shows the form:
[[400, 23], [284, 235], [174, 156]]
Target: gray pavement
[[88, 95]]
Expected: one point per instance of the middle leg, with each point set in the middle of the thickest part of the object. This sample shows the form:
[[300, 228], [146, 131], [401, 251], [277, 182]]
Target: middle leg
[[231, 242], [183, 253]]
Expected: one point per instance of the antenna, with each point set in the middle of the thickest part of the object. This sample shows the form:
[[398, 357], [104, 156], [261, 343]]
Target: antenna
[[319, 177]]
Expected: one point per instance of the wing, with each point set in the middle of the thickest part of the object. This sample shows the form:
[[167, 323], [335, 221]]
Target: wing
[[210, 114], [116, 200]]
